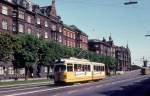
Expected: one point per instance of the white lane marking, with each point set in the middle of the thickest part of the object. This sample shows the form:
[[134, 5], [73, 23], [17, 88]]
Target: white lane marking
[[56, 95], [88, 88], [38, 91], [99, 86], [72, 91], [126, 80], [22, 89], [121, 81]]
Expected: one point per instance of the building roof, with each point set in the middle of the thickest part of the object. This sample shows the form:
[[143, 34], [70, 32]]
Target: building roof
[[100, 42], [75, 28]]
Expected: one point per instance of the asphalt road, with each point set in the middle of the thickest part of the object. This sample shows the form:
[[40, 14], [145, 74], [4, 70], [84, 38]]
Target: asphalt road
[[129, 84]]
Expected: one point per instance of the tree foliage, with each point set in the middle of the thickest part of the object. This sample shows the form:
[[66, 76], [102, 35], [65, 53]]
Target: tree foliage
[[6, 48], [28, 50]]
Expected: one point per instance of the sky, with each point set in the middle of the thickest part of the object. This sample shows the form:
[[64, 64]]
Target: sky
[[127, 24]]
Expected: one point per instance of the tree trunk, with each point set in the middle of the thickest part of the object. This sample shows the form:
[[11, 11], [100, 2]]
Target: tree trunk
[[48, 69], [38, 70], [26, 73], [15, 73]]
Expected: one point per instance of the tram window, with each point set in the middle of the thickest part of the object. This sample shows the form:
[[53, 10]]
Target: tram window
[[94, 68], [60, 68], [102, 68], [97, 68], [85, 67], [69, 67], [77, 67], [89, 68]]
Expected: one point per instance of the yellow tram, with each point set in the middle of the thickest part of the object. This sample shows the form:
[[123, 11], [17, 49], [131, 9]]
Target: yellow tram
[[77, 70], [145, 70]]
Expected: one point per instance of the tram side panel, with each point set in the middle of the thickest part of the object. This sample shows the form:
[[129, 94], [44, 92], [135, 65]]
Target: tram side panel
[[78, 76], [98, 72], [73, 71]]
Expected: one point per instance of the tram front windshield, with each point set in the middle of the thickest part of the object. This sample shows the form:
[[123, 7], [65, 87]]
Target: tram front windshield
[[60, 68]]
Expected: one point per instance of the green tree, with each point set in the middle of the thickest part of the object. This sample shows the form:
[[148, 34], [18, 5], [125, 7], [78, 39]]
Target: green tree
[[29, 52], [17, 60], [45, 55], [6, 48]]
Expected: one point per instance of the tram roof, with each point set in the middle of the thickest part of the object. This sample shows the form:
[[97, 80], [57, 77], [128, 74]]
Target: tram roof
[[72, 59], [80, 61]]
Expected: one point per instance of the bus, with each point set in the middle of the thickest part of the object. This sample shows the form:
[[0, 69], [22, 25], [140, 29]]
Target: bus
[[73, 70]]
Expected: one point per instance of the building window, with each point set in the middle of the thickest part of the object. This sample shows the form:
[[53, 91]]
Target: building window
[[4, 25], [97, 46], [45, 70], [71, 35], [21, 15], [60, 29], [22, 71], [1, 71], [71, 44], [14, 27], [53, 27], [38, 21], [38, 35], [29, 31], [46, 24], [97, 52], [5, 10], [74, 36], [65, 33], [10, 70], [64, 42], [14, 14], [74, 44], [21, 28], [29, 19], [46, 35], [68, 43], [60, 39]]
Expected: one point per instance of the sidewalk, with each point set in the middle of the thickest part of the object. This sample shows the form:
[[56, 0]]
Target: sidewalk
[[22, 82]]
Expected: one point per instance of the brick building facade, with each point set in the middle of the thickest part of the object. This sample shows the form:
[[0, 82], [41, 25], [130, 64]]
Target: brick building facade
[[123, 56], [69, 36], [102, 47], [21, 17], [107, 48], [74, 37]]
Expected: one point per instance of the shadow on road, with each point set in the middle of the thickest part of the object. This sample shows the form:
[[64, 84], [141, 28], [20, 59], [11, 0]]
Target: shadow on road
[[136, 89]]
